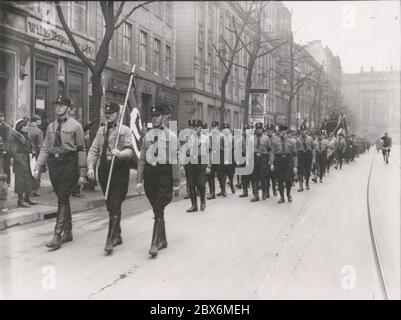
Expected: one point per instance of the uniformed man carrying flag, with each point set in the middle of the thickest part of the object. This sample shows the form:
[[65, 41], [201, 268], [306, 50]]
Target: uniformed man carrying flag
[[103, 147], [64, 151], [158, 169]]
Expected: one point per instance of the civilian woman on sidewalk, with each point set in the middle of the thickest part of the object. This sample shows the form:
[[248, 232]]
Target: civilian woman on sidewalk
[[20, 149]]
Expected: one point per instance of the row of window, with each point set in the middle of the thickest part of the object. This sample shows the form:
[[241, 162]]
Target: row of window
[[161, 58]]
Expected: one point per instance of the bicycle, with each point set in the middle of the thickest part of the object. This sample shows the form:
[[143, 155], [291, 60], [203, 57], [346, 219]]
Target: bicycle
[[386, 152]]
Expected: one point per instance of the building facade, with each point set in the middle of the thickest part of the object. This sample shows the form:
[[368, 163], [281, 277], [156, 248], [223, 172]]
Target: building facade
[[374, 99], [199, 70], [330, 96], [38, 62]]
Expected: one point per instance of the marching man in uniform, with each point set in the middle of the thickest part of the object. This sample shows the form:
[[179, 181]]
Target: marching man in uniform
[[285, 163], [103, 147], [321, 146], [214, 168], [262, 157], [159, 170], [64, 149], [198, 167], [306, 157]]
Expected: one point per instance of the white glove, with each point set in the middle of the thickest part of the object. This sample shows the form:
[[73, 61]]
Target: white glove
[[295, 170], [116, 153], [139, 187], [36, 174], [272, 168], [91, 174], [81, 181], [207, 170], [176, 191]]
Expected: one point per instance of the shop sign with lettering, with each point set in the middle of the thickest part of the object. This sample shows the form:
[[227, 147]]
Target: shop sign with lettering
[[50, 34]]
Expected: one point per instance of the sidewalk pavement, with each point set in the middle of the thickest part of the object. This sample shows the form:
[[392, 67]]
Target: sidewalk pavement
[[46, 206]]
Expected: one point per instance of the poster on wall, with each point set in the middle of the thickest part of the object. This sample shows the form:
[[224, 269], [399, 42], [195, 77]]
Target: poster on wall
[[40, 104]]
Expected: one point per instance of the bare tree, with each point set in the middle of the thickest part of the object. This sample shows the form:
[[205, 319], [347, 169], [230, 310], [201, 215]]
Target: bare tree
[[227, 52], [260, 45], [317, 87], [287, 70], [111, 12]]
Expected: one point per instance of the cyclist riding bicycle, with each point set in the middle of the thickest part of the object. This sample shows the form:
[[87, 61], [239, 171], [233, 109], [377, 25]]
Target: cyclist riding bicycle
[[386, 145]]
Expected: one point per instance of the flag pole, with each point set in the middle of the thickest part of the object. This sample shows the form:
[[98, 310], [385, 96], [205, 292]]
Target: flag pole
[[106, 194], [341, 120]]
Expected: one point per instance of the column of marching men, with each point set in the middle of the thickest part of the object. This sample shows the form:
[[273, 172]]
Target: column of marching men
[[281, 158]]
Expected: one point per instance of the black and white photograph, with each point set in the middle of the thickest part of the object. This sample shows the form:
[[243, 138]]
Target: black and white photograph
[[227, 151]]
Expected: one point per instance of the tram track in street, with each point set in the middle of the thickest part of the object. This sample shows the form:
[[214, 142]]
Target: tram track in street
[[373, 238]]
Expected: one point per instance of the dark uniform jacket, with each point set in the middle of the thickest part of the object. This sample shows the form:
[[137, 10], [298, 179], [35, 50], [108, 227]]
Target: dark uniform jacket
[[166, 151], [284, 147], [306, 144]]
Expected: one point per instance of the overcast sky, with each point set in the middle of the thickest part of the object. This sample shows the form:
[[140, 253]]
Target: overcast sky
[[361, 33]]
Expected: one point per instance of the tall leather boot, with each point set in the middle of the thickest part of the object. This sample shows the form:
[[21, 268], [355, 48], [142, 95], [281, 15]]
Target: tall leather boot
[[231, 182], [301, 184], [244, 183], [117, 239], [202, 191], [194, 205], [265, 190], [162, 243], [273, 181], [281, 190], [255, 191], [212, 188], [67, 234], [55, 242], [288, 187], [155, 236], [112, 229], [187, 196], [307, 184]]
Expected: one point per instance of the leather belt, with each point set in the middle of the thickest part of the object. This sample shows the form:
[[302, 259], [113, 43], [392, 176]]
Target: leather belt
[[61, 156]]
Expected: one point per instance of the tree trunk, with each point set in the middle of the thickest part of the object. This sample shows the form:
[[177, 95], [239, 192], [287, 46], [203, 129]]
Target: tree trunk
[[248, 87], [97, 93]]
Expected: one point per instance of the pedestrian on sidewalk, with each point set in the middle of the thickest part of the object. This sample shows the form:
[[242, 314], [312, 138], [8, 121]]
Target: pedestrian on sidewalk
[[159, 171], [64, 150], [20, 150], [103, 148], [36, 137], [5, 133]]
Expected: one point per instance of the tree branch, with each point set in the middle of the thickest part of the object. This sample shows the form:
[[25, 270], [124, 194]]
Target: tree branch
[[118, 13], [71, 37], [129, 13], [271, 50]]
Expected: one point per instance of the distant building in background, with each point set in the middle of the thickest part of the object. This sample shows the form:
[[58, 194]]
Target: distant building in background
[[331, 92], [374, 98]]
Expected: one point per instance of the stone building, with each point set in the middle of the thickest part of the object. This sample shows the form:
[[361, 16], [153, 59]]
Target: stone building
[[374, 99], [38, 62]]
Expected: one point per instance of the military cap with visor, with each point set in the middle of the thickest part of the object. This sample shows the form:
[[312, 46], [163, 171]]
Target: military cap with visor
[[111, 107], [63, 100]]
